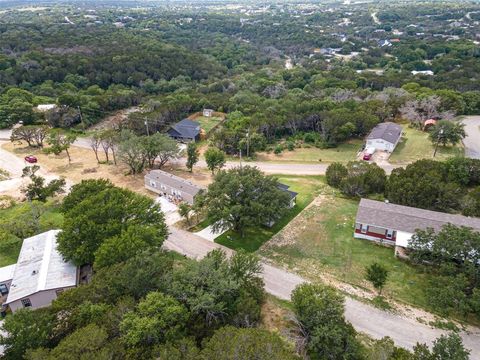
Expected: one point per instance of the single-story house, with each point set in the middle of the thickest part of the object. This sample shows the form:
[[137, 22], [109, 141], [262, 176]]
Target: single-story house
[[385, 136], [40, 273], [292, 194], [172, 187], [207, 112], [6, 276], [423, 72], [185, 130], [395, 225], [383, 43]]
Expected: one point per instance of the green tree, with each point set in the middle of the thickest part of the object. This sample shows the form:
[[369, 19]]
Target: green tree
[[33, 135], [182, 349], [131, 151], [335, 173], [159, 146], [156, 319], [104, 215], [319, 309], [185, 211], [37, 189], [215, 159], [447, 132], [59, 142], [193, 155], [26, 329], [89, 342], [446, 347], [130, 242], [377, 274], [231, 343], [243, 197]]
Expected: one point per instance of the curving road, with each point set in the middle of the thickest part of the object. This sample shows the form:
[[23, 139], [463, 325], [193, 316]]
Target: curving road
[[405, 332], [472, 140]]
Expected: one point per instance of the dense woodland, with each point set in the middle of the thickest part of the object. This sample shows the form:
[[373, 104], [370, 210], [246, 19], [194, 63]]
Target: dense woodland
[[173, 61]]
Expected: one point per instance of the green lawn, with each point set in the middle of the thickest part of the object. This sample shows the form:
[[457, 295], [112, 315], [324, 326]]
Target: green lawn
[[18, 222], [416, 145], [208, 123], [307, 188], [322, 243], [343, 153]]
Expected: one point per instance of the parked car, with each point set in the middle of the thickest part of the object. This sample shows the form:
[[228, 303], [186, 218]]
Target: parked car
[[31, 159], [369, 151]]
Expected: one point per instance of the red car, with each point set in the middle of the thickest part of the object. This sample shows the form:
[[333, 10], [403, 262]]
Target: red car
[[367, 156], [31, 159]]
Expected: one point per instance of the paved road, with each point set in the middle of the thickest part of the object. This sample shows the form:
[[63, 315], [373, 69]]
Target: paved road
[[266, 167], [472, 140], [404, 331]]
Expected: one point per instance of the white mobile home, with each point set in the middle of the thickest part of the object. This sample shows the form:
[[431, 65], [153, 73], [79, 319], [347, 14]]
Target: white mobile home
[[40, 273]]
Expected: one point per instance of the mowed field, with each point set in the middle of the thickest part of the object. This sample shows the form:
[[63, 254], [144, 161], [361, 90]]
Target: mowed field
[[342, 153], [416, 145], [319, 245], [307, 187]]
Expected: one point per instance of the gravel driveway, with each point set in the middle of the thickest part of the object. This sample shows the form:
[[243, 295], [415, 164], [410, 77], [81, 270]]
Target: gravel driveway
[[472, 140]]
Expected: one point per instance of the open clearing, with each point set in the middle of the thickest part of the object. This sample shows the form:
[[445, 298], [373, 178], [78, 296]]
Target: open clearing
[[319, 243], [416, 145], [84, 166], [307, 188], [342, 153]]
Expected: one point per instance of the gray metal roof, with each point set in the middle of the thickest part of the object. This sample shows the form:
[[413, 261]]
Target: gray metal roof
[[41, 267], [186, 128], [173, 181], [285, 188], [6, 273], [387, 131], [408, 219]]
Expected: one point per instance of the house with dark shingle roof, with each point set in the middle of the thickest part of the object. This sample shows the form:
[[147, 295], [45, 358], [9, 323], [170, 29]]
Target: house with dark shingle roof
[[186, 130], [385, 136], [395, 225]]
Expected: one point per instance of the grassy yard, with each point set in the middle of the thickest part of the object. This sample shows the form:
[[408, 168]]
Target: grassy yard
[[307, 188], [343, 153], [18, 222], [319, 242], [416, 145], [208, 123]]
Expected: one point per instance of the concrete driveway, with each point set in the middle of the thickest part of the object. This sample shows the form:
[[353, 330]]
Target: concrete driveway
[[472, 140]]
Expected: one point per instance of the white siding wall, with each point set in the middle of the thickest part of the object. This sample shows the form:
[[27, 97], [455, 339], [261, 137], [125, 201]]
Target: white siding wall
[[38, 300], [380, 144]]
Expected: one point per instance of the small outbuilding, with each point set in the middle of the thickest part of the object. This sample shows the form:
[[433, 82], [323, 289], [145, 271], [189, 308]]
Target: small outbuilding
[[207, 112], [174, 188], [186, 130], [385, 136]]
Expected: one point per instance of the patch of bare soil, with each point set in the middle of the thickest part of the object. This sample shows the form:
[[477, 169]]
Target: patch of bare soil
[[114, 120]]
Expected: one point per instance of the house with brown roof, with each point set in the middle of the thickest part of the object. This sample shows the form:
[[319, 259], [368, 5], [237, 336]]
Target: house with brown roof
[[395, 225], [174, 188]]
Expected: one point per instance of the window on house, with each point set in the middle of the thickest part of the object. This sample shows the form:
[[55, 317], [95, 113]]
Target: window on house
[[389, 234], [364, 228], [26, 302], [3, 289]]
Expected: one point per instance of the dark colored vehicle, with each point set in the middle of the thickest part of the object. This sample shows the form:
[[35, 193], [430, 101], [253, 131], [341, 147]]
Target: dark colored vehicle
[[31, 159]]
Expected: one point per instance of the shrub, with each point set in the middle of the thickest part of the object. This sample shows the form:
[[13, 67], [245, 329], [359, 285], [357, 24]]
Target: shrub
[[278, 149]]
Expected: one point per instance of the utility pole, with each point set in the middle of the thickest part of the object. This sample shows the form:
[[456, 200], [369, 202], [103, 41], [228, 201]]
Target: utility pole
[[248, 143], [146, 125], [81, 116], [438, 140]]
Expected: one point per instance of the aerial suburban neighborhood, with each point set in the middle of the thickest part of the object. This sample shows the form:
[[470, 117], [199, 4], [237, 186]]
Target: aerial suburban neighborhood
[[240, 180]]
